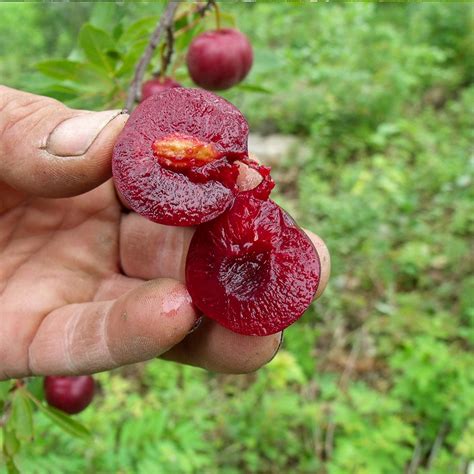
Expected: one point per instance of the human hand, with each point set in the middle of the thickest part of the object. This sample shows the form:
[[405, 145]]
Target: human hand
[[85, 286]]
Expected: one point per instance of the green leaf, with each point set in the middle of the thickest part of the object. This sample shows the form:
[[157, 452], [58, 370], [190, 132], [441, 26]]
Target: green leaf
[[22, 415], [117, 32], [11, 445], [228, 19], [11, 466], [4, 389], [103, 14], [61, 69], [65, 422], [59, 92], [95, 42], [183, 40], [254, 88], [131, 58], [35, 384], [139, 30]]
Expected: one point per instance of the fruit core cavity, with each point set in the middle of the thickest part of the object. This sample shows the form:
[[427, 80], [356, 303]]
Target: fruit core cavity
[[242, 275], [182, 152]]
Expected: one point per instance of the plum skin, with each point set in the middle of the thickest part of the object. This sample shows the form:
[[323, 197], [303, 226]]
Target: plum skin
[[219, 59], [157, 85], [70, 394]]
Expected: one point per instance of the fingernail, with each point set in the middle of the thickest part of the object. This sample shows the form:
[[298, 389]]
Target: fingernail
[[196, 325], [74, 136], [279, 346]]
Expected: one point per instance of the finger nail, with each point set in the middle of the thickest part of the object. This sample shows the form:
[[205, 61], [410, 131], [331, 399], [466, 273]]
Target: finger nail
[[74, 136], [279, 346], [196, 325]]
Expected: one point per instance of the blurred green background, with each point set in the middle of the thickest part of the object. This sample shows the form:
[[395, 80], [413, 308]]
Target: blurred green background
[[378, 376]]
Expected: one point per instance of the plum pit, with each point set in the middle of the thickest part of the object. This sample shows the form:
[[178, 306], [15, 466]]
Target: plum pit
[[181, 152]]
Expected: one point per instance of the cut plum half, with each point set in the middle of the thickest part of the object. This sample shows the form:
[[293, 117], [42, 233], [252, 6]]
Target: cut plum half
[[174, 161], [253, 270]]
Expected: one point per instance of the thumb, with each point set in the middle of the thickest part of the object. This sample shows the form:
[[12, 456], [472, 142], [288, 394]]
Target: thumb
[[50, 150]]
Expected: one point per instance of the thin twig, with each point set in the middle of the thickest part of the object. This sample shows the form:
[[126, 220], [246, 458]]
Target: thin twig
[[415, 459], [442, 432], [201, 12], [169, 50], [163, 25], [209, 4]]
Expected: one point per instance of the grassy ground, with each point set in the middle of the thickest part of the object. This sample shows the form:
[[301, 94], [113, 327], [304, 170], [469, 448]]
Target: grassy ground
[[377, 377]]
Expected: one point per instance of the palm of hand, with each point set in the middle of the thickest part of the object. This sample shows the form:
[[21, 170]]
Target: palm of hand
[[54, 254]]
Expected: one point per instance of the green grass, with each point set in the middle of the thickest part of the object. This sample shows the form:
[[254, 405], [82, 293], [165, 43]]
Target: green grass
[[378, 374]]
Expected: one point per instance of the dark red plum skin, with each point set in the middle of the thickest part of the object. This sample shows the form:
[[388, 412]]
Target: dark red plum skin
[[69, 394], [163, 195], [253, 270], [157, 85], [219, 59]]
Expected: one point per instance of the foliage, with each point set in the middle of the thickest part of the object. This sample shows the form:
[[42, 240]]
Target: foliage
[[378, 375]]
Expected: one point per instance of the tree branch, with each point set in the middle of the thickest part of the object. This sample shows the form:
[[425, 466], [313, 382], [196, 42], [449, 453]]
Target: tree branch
[[169, 50], [165, 24]]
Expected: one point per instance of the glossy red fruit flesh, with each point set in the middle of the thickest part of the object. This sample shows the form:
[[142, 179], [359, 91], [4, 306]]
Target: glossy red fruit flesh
[[253, 270], [69, 394], [157, 85], [174, 160], [219, 59]]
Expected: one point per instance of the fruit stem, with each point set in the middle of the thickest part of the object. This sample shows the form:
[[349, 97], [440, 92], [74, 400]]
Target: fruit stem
[[217, 11]]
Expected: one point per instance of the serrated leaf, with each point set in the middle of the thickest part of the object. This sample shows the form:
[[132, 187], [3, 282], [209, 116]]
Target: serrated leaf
[[95, 42], [65, 422], [11, 445], [22, 415]]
